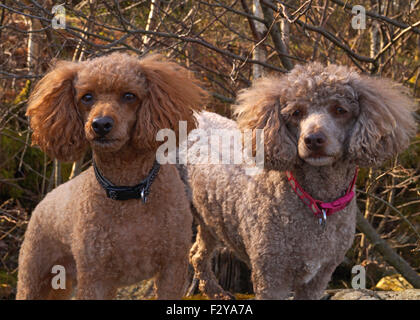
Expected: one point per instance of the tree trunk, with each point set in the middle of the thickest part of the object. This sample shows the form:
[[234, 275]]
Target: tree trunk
[[259, 52], [276, 36], [285, 34], [151, 21], [375, 43]]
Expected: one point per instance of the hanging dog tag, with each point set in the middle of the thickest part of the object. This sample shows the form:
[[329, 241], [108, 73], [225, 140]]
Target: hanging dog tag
[[323, 218], [143, 196]]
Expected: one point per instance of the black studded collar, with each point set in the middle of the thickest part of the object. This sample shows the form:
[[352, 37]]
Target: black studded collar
[[139, 191]]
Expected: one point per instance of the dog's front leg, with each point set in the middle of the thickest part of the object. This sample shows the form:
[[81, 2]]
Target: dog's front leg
[[89, 287], [96, 279], [171, 280], [270, 280], [314, 289]]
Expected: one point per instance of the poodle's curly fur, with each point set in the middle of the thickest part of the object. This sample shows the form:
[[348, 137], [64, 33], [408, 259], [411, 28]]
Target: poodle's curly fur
[[102, 243], [320, 123]]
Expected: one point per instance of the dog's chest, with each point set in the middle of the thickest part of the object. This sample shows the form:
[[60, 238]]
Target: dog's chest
[[290, 228], [125, 236], [309, 241]]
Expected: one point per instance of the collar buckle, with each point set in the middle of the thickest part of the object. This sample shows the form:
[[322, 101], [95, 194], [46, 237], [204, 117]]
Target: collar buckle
[[112, 195]]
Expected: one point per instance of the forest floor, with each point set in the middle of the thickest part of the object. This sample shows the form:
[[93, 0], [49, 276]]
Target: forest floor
[[144, 290]]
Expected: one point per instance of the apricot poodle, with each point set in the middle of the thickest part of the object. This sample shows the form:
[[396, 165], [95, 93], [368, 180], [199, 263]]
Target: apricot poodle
[[293, 223], [105, 233]]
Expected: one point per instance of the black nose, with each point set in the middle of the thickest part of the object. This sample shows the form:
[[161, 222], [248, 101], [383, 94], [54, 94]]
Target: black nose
[[102, 126], [315, 141]]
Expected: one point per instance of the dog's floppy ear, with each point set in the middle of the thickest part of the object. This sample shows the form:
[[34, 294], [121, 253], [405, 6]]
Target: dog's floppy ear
[[54, 118], [259, 107], [385, 123], [172, 94]]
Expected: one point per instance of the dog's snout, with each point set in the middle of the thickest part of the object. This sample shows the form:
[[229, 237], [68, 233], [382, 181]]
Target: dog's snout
[[315, 141], [102, 125]]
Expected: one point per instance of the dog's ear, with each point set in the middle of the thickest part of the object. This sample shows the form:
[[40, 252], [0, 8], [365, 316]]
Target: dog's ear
[[385, 123], [172, 94], [259, 107], [54, 118]]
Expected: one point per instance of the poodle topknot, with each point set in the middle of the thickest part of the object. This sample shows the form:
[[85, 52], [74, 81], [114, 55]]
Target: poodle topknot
[[319, 123], [115, 104]]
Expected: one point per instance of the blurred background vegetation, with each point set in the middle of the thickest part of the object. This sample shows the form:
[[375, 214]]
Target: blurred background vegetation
[[227, 44]]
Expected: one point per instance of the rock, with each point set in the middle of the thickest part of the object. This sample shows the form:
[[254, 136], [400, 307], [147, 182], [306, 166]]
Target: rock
[[363, 294], [409, 294], [351, 294]]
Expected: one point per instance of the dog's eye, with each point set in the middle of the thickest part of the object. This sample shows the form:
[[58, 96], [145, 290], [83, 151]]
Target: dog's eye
[[87, 99], [296, 113], [339, 110], [128, 96]]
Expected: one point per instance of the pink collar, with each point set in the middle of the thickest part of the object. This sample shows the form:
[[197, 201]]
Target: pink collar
[[319, 208]]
